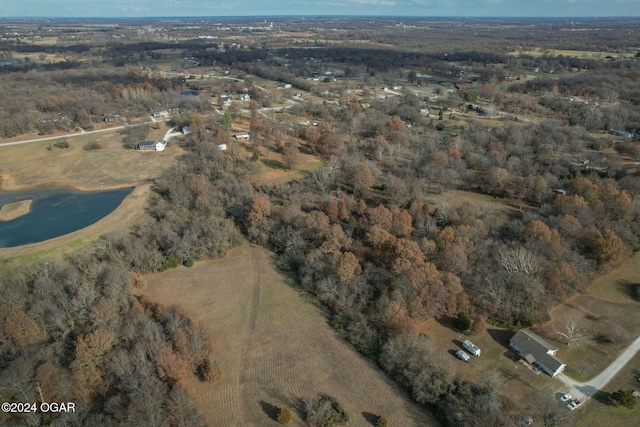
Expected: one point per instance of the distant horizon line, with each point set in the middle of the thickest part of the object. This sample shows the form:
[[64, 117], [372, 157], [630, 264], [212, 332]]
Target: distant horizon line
[[410, 17]]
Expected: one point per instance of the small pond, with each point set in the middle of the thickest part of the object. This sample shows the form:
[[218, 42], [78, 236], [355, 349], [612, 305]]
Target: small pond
[[55, 212]]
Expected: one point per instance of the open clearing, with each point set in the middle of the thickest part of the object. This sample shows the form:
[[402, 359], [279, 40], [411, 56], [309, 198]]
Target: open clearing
[[600, 318], [23, 166], [482, 203], [274, 346], [520, 387], [618, 285], [598, 413], [112, 166]]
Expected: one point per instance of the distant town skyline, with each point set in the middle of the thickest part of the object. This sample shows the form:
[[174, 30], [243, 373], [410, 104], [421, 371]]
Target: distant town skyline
[[415, 8]]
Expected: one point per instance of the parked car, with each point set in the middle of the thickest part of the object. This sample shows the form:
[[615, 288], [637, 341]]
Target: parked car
[[565, 397], [573, 405], [462, 355]]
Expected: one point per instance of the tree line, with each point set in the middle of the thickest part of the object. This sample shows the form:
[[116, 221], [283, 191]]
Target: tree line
[[74, 333]]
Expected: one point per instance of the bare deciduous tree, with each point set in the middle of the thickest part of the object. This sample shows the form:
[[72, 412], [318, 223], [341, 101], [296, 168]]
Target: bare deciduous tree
[[518, 260], [572, 330]]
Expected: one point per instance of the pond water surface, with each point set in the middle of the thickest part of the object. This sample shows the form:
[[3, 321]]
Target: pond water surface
[[55, 212]]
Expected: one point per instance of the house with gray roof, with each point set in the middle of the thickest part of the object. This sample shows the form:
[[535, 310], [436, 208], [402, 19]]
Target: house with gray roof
[[537, 352]]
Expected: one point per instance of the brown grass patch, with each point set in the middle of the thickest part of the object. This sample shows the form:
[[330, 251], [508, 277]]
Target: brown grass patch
[[600, 318], [21, 166], [112, 166], [618, 285], [274, 170], [484, 204], [14, 210], [598, 413], [274, 346], [519, 386]]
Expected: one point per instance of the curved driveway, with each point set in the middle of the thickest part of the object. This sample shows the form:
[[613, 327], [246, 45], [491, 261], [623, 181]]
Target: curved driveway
[[585, 390]]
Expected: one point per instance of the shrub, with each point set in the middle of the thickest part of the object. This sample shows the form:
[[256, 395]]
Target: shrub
[[61, 144], [479, 325], [622, 398], [205, 372], [91, 146], [171, 262], [463, 322], [189, 262], [381, 422], [284, 415], [325, 412]]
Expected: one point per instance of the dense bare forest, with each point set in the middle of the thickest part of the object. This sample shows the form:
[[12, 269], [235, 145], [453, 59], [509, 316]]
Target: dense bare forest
[[75, 334]]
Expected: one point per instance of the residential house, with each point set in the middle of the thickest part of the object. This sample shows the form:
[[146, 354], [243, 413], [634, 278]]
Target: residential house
[[241, 136], [537, 352], [151, 146], [224, 101], [160, 114], [621, 133]]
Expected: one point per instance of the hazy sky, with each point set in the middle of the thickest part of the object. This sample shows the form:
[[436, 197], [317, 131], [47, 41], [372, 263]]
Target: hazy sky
[[133, 8]]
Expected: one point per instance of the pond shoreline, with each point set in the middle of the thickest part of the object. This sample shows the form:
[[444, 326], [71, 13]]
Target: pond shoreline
[[129, 212], [8, 186]]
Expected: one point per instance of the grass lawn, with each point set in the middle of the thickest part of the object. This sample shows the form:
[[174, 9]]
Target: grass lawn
[[519, 386], [109, 167], [609, 416], [598, 413], [618, 285], [599, 318]]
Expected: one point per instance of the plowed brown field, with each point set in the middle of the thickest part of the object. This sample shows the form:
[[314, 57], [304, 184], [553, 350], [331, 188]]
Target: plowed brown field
[[274, 346]]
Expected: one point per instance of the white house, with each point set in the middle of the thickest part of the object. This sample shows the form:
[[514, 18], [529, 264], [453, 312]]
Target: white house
[[151, 146], [224, 101], [160, 114], [241, 136]]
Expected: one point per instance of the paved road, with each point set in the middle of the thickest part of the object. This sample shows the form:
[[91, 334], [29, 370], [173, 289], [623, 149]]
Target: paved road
[[71, 135], [585, 390]]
